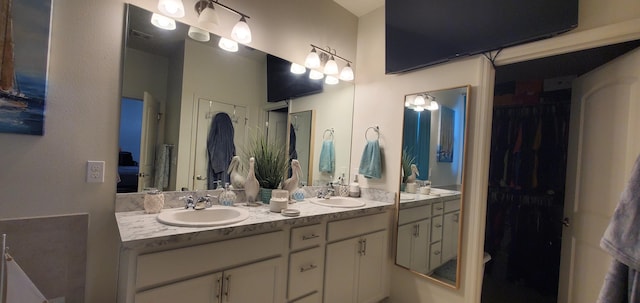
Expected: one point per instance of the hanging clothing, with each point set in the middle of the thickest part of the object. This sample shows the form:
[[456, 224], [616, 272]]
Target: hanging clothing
[[622, 241], [220, 149]]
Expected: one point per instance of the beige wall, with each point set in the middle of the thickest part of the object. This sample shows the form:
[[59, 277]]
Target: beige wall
[[45, 175]]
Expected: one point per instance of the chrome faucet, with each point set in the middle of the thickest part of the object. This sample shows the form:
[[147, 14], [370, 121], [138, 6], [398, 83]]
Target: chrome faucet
[[203, 202], [189, 203], [326, 192]]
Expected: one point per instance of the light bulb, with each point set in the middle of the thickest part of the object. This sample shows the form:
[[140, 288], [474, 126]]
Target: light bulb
[[208, 17], [331, 67], [312, 60], [241, 31], [163, 22], [297, 69], [315, 75], [347, 73], [228, 45], [331, 80], [171, 8], [419, 100], [418, 109], [198, 34], [433, 106]]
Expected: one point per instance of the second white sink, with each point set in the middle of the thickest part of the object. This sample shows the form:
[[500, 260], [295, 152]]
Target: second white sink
[[339, 202], [214, 216]]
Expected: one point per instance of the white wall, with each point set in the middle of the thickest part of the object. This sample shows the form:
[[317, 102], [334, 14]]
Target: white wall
[[45, 175]]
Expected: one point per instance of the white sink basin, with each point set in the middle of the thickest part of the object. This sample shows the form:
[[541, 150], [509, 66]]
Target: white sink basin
[[214, 216], [339, 202]]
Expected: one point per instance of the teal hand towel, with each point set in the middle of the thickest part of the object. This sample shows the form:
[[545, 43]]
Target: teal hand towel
[[327, 157], [370, 163]]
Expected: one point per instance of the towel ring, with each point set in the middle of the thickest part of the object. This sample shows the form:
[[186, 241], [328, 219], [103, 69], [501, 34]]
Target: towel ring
[[330, 131], [375, 129]]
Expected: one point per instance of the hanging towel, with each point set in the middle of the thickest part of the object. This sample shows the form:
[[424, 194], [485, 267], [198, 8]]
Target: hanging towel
[[20, 289], [327, 157], [163, 165], [370, 163], [220, 149], [622, 241]]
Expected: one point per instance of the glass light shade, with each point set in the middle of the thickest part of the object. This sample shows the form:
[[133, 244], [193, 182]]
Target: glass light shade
[[312, 60], [331, 80], [208, 17], [171, 8], [241, 32], [228, 45], [418, 108], [433, 105], [163, 22], [331, 67], [198, 34], [315, 75], [419, 100], [347, 73], [297, 69]]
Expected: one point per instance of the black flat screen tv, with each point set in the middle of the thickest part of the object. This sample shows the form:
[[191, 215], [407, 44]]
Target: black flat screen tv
[[421, 33], [282, 84]]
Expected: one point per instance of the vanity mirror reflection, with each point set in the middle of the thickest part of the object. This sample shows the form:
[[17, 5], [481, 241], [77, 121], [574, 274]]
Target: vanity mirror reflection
[[174, 87], [430, 207]]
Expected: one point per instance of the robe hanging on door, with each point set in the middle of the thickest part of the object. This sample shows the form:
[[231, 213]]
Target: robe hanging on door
[[220, 149]]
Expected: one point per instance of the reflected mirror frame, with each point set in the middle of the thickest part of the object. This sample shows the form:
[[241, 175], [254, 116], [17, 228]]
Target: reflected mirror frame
[[467, 91], [308, 171]]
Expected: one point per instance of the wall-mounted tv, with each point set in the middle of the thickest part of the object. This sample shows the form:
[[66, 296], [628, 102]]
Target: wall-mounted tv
[[421, 33], [282, 84]]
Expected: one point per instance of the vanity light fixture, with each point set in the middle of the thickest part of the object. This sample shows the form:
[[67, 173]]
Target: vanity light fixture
[[198, 34], [328, 58], [315, 75], [433, 106], [420, 100], [298, 69], [171, 8], [163, 22], [331, 80], [228, 45], [206, 15]]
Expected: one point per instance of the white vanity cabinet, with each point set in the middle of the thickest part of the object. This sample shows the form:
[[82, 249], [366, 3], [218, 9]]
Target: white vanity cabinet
[[444, 232], [306, 263], [414, 225], [356, 259]]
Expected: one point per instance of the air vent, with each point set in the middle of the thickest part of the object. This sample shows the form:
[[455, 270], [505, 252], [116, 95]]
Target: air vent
[[140, 35]]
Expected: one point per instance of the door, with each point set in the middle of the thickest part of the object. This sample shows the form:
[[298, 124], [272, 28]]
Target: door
[[277, 132], [207, 109], [603, 145], [258, 282], [372, 274], [148, 141], [341, 267], [197, 290]]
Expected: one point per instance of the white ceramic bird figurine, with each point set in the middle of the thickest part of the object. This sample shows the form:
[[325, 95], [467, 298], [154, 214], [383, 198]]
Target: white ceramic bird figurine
[[237, 180], [251, 184], [291, 184], [414, 173]]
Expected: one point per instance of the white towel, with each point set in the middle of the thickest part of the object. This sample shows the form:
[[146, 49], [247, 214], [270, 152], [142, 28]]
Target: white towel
[[20, 289]]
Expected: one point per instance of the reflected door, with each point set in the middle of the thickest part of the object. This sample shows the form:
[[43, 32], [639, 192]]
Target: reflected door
[[148, 141], [603, 145], [207, 109]]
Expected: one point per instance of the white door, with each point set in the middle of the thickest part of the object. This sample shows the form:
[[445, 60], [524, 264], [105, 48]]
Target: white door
[[148, 141], [278, 131], [603, 145], [341, 267], [207, 110], [371, 268], [258, 282]]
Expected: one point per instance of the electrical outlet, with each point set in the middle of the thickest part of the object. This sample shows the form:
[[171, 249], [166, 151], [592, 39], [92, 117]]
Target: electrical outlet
[[95, 171]]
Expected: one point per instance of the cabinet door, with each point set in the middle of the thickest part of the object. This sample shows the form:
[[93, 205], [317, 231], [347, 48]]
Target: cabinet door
[[372, 268], [340, 270], [257, 282], [450, 230], [406, 233], [420, 250], [197, 290]]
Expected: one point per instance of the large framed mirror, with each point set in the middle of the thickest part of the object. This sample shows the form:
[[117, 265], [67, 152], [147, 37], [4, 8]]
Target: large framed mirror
[[174, 86], [430, 207]]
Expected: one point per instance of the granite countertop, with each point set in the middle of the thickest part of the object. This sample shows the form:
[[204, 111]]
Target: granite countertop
[[408, 200], [140, 230]]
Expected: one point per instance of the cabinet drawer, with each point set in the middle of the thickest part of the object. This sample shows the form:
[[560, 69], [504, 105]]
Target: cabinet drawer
[[305, 272], [435, 256], [306, 236], [357, 226], [438, 208], [452, 205], [175, 264], [414, 214], [312, 298], [436, 228]]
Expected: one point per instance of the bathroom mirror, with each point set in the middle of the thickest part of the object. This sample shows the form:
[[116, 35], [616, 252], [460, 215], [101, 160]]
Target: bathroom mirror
[[430, 206], [301, 132], [189, 82]]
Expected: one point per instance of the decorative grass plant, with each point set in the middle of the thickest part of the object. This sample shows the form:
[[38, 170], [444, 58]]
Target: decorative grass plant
[[406, 161], [271, 161]]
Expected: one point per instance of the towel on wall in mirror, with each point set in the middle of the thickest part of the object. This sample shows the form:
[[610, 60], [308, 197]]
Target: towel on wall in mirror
[[622, 241], [327, 157], [20, 289], [371, 163], [163, 165]]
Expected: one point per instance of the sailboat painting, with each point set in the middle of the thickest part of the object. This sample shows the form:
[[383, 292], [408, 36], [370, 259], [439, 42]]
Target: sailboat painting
[[24, 42]]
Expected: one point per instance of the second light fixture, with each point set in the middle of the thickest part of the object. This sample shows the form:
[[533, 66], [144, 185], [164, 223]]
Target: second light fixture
[[314, 61]]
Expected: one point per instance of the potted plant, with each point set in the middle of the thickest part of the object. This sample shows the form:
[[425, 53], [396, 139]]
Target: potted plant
[[271, 164], [406, 161]]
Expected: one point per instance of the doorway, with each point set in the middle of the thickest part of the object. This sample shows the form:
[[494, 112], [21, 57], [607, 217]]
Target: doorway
[[527, 173]]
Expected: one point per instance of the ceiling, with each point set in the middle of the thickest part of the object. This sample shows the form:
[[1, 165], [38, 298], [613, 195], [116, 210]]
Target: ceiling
[[360, 7]]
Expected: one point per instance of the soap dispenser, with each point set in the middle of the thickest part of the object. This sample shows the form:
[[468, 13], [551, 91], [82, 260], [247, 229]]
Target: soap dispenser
[[227, 197], [354, 188]]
